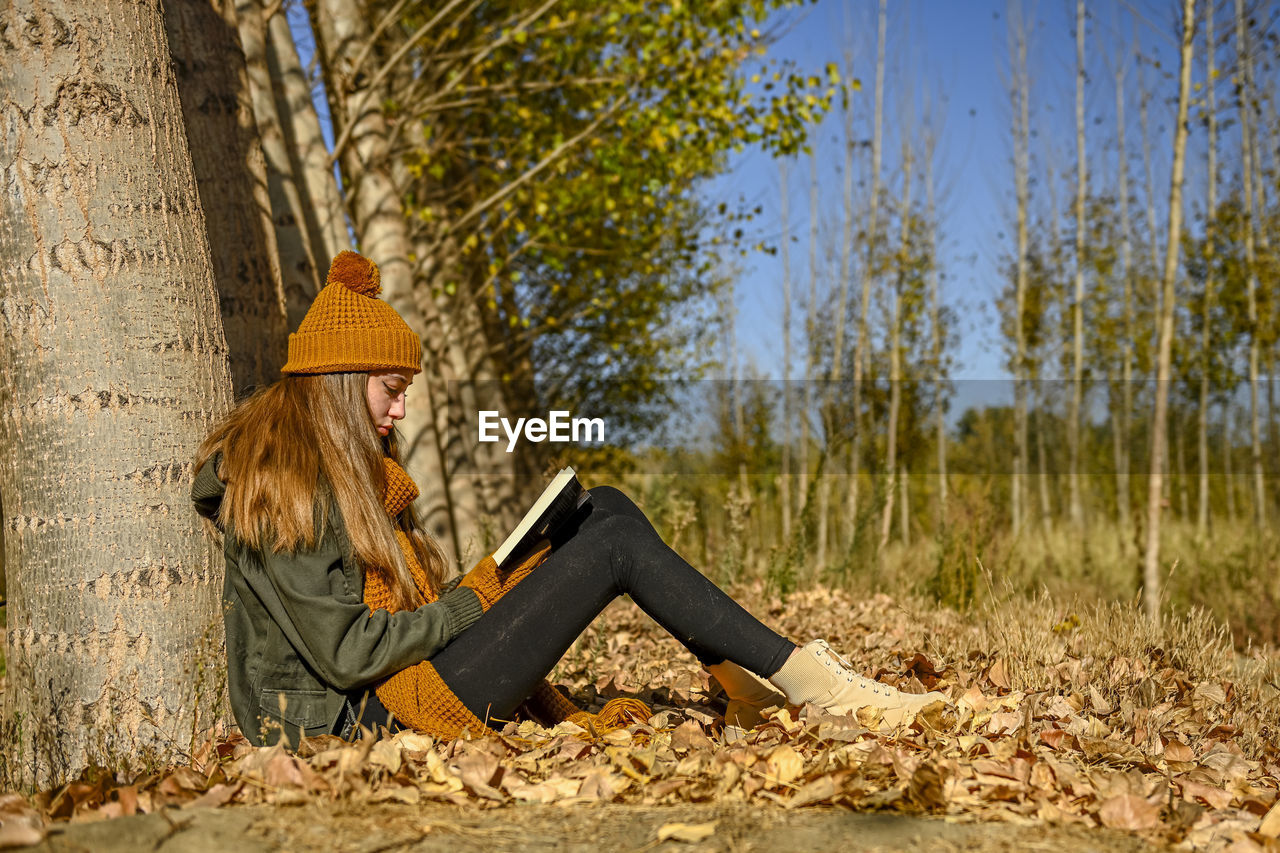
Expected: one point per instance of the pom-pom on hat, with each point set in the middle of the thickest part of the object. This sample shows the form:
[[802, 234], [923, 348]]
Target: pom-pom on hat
[[348, 328]]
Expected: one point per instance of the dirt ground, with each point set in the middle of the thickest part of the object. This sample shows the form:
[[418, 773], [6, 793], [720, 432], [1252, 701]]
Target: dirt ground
[[354, 828]]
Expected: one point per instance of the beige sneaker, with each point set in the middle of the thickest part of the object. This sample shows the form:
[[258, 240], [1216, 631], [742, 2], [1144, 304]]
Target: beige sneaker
[[847, 692]]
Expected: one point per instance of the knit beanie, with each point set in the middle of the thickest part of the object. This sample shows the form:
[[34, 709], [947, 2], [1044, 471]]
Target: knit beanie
[[348, 328]]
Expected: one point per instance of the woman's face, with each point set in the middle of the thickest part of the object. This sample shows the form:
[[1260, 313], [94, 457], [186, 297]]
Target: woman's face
[[386, 391]]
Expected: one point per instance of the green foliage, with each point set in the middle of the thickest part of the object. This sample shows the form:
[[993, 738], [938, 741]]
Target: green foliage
[[554, 157]]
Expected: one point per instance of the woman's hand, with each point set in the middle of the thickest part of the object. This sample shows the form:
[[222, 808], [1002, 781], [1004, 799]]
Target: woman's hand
[[490, 584]]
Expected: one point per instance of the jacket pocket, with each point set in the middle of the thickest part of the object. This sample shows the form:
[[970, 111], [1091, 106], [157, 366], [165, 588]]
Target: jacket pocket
[[303, 709]]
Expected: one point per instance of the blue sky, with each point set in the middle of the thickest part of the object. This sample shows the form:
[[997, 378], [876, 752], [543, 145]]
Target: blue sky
[[955, 50]]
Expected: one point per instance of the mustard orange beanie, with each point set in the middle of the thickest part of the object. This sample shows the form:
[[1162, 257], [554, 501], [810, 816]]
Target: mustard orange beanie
[[348, 328]]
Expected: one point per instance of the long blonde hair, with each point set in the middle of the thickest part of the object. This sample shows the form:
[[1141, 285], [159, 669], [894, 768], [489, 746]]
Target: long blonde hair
[[300, 444]]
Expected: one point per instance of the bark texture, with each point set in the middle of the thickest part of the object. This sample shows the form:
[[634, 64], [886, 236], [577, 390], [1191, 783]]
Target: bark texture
[[115, 367], [231, 175]]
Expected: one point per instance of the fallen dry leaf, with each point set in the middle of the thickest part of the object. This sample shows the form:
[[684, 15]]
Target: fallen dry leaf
[[1270, 825], [689, 832], [1129, 811]]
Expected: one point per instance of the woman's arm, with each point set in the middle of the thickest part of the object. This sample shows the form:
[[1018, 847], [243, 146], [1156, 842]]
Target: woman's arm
[[309, 596]]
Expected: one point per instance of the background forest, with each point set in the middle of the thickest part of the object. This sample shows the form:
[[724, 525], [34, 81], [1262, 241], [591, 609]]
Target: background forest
[[554, 194]]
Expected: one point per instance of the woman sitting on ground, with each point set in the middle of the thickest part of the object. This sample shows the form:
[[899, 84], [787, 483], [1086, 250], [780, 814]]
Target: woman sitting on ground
[[336, 609]]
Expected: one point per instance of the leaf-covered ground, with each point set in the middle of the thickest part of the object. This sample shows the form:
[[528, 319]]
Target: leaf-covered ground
[[1080, 719]]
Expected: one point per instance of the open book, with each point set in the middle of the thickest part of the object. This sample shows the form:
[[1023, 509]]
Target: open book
[[557, 503]]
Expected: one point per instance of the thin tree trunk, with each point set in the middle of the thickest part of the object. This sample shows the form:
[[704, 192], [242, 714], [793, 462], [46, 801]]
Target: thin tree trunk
[[810, 326], [324, 212], [895, 345], [1056, 252], [1251, 265], [1228, 469], [1151, 565], [788, 411], [862, 352], [904, 507], [1249, 163], [1022, 168], [302, 271], [214, 90], [842, 312], [114, 369], [1124, 496], [1206, 316], [1153, 241], [935, 322], [1077, 304], [1179, 434], [1046, 506]]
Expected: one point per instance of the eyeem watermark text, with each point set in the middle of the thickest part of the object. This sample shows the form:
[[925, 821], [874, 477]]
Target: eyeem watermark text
[[558, 427]]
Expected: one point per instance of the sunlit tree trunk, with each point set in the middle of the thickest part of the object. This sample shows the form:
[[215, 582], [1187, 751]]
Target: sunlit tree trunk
[[1022, 168], [938, 331], [1248, 160], [904, 507], [1228, 462], [862, 352], [1046, 505], [214, 90], [810, 326], [842, 312], [1077, 302], [114, 369], [895, 344], [324, 213], [302, 268], [1211, 236], [1153, 230], [788, 410], [1164, 359], [1124, 496]]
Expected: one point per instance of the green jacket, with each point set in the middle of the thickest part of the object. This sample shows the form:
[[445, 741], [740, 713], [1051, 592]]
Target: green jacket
[[300, 640]]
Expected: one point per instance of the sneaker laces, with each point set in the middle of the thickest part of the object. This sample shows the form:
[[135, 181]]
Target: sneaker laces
[[849, 674]]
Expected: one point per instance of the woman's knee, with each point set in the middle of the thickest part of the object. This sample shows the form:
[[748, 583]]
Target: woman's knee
[[614, 500]]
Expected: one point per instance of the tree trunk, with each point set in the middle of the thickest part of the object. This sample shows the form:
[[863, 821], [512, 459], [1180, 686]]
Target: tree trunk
[[788, 411], [382, 233], [1184, 511], [1077, 304], [895, 346], [1151, 565], [1022, 168], [214, 91], [842, 310], [1206, 316], [811, 324], [1228, 469], [1124, 496], [862, 352], [935, 323], [904, 509], [324, 213], [302, 270], [1046, 506], [1247, 165], [115, 368]]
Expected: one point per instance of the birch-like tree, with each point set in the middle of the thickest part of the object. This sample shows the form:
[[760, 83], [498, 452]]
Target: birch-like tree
[[1164, 356], [114, 369]]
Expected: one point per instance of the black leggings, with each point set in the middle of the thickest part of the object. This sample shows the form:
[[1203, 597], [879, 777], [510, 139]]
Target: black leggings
[[609, 549]]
